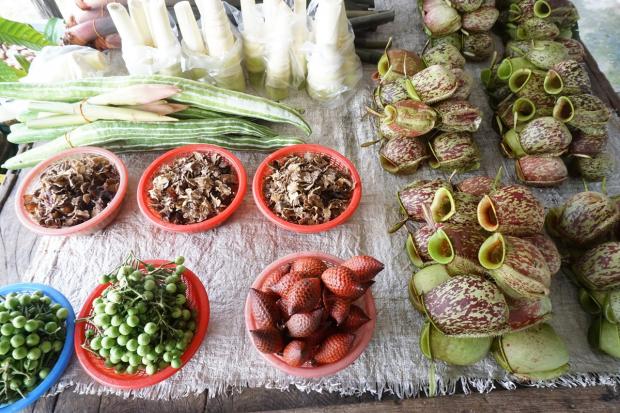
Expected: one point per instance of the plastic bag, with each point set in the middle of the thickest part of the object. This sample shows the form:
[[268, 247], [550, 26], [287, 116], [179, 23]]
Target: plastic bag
[[62, 63], [146, 60], [225, 71], [334, 69]]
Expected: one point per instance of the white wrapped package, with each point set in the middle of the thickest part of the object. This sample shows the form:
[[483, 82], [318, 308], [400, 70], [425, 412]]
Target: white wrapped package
[[252, 29], [333, 67], [63, 63]]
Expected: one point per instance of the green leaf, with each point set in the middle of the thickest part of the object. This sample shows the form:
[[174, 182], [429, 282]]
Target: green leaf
[[21, 34], [23, 62], [54, 30], [9, 73]]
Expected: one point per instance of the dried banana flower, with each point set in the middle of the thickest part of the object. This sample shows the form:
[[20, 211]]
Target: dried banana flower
[[516, 265], [536, 353], [459, 351]]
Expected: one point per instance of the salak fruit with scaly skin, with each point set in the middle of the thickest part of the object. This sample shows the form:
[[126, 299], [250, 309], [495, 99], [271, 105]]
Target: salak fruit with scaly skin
[[511, 210], [454, 151], [536, 353], [264, 309], [364, 267], [467, 306], [517, 266], [444, 54], [542, 136], [403, 155], [459, 351], [584, 218], [599, 267], [541, 171], [334, 348], [354, 320]]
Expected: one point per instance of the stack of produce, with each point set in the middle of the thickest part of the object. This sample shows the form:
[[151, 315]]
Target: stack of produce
[[460, 26], [139, 113], [33, 333], [543, 99], [141, 321], [485, 270], [306, 312], [587, 228], [423, 112]]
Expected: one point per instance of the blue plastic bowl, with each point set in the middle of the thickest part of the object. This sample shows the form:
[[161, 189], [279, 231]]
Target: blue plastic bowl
[[65, 354]]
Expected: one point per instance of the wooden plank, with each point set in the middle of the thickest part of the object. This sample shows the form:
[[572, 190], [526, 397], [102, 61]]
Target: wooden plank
[[113, 404], [69, 402], [43, 405], [10, 179], [600, 83], [48, 8], [530, 400], [219, 404]]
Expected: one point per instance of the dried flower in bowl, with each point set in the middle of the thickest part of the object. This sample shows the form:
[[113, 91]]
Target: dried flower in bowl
[[308, 189], [193, 188], [72, 191]]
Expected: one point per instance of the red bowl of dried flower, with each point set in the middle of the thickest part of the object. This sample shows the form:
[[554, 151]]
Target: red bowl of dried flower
[[281, 192], [191, 189], [49, 202]]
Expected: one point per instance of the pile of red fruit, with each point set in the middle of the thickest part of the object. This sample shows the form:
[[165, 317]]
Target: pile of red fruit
[[304, 310]]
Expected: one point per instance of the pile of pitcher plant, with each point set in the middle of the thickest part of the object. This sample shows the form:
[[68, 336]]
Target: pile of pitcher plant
[[541, 92], [484, 275], [460, 27], [587, 230], [423, 114]]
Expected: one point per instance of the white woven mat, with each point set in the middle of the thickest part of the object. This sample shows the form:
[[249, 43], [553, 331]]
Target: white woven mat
[[228, 259]]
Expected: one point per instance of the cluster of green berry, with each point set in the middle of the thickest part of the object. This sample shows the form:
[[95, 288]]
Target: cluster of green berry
[[141, 321], [32, 334]]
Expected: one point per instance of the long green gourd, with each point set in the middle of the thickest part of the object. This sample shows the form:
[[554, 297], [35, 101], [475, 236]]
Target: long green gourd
[[20, 133], [202, 95], [148, 134]]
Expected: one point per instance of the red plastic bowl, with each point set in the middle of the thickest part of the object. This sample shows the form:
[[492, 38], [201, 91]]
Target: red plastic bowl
[[362, 336], [338, 160], [146, 180], [93, 365], [94, 224]]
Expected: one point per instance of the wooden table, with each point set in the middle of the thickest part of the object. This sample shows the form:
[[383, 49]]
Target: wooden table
[[17, 244]]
